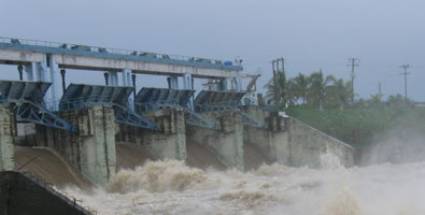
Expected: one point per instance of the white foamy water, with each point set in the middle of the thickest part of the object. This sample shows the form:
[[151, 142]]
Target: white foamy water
[[170, 187]]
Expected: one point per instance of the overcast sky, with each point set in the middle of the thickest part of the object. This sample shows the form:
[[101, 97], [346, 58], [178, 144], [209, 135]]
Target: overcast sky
[[310, 34]]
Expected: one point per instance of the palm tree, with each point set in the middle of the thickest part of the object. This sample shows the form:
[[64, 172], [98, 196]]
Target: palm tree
[[338, 93], [291, 95], [376, 99], [317, 88], [301, 83]]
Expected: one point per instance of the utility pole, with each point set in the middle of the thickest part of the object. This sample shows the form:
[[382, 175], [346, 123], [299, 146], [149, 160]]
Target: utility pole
[[405, 73], [354, 62], [278, 66], [380, 89]]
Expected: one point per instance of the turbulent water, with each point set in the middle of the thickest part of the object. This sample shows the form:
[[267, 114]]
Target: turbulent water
[[170, 187]]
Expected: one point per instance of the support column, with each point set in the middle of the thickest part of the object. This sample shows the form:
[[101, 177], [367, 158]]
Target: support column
[[133, 80], [267, 144], [56, 90], [63, 76], [173, 82], [98, 157], [37, 71], [21, 72], [92, 149], [106, 75], [127, 81], [7, 148], [111, 78], [170, 141], [29, 71], [226, 143], [42, 69], [188, 81], [238, 84], [232, 84], [126, 77], [223, 85], [188, 85]]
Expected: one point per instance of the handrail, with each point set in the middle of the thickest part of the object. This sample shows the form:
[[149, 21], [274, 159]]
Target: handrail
[[122, 52]]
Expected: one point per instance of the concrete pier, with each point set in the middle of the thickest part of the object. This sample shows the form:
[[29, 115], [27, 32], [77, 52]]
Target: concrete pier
[[264, 141], [91, 150], [169, 141], [7, 148], [226, 142]]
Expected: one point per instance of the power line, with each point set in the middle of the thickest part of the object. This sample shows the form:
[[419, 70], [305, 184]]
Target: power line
[[354, 62], [405, 73]]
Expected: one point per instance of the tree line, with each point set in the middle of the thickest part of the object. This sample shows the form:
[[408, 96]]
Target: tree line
[[319, 91]]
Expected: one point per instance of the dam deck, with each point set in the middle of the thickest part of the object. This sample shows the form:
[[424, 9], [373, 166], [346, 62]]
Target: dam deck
[[77, 56]]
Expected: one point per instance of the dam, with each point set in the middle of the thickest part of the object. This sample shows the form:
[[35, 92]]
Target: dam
[[86, 133]]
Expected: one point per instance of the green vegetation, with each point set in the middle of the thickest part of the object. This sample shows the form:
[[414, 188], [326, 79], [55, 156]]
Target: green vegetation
[[316, 91], [358, 125], [325, 103]]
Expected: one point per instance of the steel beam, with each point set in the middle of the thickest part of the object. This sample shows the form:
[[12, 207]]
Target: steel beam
[[79, 96], [27, 101]]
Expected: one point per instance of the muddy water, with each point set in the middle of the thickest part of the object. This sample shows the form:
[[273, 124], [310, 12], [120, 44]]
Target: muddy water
[[170, 187], [252, 157], [201, 157], [130, 156]]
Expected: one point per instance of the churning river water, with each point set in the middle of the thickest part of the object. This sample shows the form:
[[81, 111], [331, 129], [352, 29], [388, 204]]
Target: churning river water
[[171, 187]]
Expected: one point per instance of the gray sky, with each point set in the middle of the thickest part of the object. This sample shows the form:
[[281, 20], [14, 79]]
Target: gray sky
[[310, 34]]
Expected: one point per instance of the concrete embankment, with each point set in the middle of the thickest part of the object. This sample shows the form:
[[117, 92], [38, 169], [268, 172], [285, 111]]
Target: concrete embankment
[[307, 145], [46, 164], [291, 142]]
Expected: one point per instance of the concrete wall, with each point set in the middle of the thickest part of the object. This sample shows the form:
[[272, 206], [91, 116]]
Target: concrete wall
[[294, 143], [7, 149], [307, 145], [92, 149], [266, 139], [169, 142], [226, 142]]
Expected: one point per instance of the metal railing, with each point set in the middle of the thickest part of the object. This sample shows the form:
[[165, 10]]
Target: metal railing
[[134, 54]]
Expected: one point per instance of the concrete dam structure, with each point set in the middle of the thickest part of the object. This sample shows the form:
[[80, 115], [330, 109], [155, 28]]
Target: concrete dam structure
[[92, 131]]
